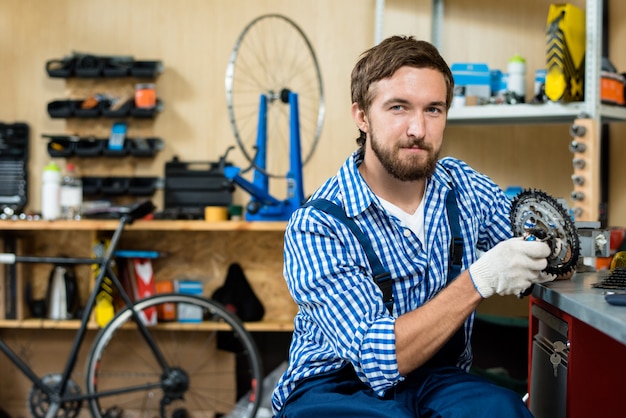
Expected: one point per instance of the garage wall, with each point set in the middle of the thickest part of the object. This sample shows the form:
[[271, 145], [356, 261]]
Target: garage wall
[[194, 39]]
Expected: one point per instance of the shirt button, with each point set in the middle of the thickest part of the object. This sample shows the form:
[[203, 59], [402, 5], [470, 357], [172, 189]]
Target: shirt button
[[407, 232]]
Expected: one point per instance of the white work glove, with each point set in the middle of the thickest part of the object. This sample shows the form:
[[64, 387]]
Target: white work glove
[[510, 267]]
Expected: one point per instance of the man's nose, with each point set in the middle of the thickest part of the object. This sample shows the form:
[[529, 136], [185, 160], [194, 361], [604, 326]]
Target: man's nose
[[416, 126]]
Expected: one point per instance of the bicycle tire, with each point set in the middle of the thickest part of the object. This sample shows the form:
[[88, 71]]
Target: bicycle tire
[[198, 350], [273, 54]]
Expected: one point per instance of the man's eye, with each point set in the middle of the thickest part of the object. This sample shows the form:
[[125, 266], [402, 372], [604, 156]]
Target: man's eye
[[397, 107]]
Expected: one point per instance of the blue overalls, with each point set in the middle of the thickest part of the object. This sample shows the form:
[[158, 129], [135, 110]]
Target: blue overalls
[[436, 389]]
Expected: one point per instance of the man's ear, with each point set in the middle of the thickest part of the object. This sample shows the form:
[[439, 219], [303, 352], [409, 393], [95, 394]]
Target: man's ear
[[360, 118]]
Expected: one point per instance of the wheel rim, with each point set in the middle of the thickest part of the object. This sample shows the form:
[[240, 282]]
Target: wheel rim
[[200, 378], [273, 54]]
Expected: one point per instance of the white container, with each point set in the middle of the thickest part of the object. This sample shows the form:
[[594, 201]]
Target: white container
[[516, 80], [57, 295], [187, 312], [51, 192], [71, 193]]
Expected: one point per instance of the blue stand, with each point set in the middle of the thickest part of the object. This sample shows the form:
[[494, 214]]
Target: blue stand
[[263, 206]]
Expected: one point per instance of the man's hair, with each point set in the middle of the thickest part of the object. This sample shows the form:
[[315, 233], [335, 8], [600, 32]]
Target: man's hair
[[384, 59]]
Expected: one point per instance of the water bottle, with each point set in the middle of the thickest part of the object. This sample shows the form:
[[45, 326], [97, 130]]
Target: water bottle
[[51, 192], [71, 193], [516, 81]]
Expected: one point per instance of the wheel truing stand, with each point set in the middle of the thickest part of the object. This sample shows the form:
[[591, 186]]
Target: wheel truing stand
[[263, 206]]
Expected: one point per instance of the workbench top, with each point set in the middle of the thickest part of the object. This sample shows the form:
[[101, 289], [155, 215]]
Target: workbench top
[[578, 298]]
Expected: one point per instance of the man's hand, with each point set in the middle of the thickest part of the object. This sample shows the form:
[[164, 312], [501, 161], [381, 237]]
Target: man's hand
[[510, 267]]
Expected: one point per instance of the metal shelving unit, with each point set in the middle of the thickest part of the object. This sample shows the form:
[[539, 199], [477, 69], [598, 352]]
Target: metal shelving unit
[[530, 113], [533, 113], [589, 115], [550, 112], [516, 114]]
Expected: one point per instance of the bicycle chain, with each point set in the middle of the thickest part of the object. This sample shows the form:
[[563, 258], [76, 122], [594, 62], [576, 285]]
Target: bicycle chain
[[537, 215], [39, 401]]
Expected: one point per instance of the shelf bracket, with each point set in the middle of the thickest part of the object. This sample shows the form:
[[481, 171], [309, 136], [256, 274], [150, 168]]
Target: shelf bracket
[[436, 31]]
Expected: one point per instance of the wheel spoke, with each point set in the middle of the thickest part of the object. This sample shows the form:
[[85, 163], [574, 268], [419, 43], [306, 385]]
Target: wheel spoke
[[202, 361], [271, 54]]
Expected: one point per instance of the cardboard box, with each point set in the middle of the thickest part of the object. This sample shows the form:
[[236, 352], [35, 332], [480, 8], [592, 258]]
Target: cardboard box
[[166, 311], [142, 280], [498, 83], [474, 77], [187, 312], [612, 88], [565, 53]]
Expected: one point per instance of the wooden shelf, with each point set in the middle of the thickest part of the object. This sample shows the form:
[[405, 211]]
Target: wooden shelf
[[261, 326], [74, 324], [39, 323], [199, 249], [152, 225], [530, 114]]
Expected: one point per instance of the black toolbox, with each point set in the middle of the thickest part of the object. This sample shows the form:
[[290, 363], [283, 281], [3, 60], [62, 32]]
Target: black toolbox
[[14, 138], [191, 186]]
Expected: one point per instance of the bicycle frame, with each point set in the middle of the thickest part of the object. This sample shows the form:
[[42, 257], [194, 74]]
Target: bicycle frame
[[56, 397], [264, 206]]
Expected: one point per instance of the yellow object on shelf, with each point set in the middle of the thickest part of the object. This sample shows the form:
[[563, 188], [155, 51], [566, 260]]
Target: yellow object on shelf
[[105, 309], [565, 53], [619, 260], [215, 213]]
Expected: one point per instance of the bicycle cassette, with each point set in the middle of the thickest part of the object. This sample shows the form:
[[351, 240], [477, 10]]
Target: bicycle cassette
[[536, 215]]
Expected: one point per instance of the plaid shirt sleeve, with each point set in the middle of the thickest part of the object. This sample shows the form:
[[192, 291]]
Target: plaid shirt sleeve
[[325, 267]]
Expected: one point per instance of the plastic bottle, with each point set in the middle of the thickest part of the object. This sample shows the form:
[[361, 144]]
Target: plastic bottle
[[51, 192], [516, 80], [71, 193]]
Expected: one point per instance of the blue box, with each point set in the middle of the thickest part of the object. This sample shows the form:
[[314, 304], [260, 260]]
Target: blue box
[[187, 312], [498, 82], [475, 77]]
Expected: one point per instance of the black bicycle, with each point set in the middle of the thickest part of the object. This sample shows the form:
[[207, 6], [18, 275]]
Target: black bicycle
[[138, 370]]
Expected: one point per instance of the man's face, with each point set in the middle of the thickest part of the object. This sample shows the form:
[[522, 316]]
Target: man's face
[[406, 122]]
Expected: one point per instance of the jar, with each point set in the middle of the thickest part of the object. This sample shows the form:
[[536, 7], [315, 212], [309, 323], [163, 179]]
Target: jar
[[145, 96]]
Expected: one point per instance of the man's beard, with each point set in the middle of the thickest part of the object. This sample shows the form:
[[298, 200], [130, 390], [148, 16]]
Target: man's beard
[[403, 169]]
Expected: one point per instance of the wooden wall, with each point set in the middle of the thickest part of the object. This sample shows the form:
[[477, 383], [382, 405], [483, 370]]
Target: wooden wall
[[194, 39]]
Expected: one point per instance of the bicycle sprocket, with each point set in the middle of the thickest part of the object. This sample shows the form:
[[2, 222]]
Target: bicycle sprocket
[[536, 214], [40, 403]]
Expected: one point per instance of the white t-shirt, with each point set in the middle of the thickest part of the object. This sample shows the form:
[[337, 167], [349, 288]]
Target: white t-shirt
[[414, 221]]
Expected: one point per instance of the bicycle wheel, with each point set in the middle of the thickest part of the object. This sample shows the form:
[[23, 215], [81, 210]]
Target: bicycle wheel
[[272, 56], [212, 363]]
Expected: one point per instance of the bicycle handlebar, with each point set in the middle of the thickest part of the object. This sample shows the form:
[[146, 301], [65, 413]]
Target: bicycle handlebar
[[7, 258], [128, 213]]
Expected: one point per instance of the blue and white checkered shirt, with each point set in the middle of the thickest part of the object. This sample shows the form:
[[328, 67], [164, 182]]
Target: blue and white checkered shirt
[[342, 318]]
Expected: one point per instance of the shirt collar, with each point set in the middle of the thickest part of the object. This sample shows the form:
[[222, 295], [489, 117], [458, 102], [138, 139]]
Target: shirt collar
[[357, 195]]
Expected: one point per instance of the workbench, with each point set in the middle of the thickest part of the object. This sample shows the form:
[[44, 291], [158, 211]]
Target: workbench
[[577, 350]]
